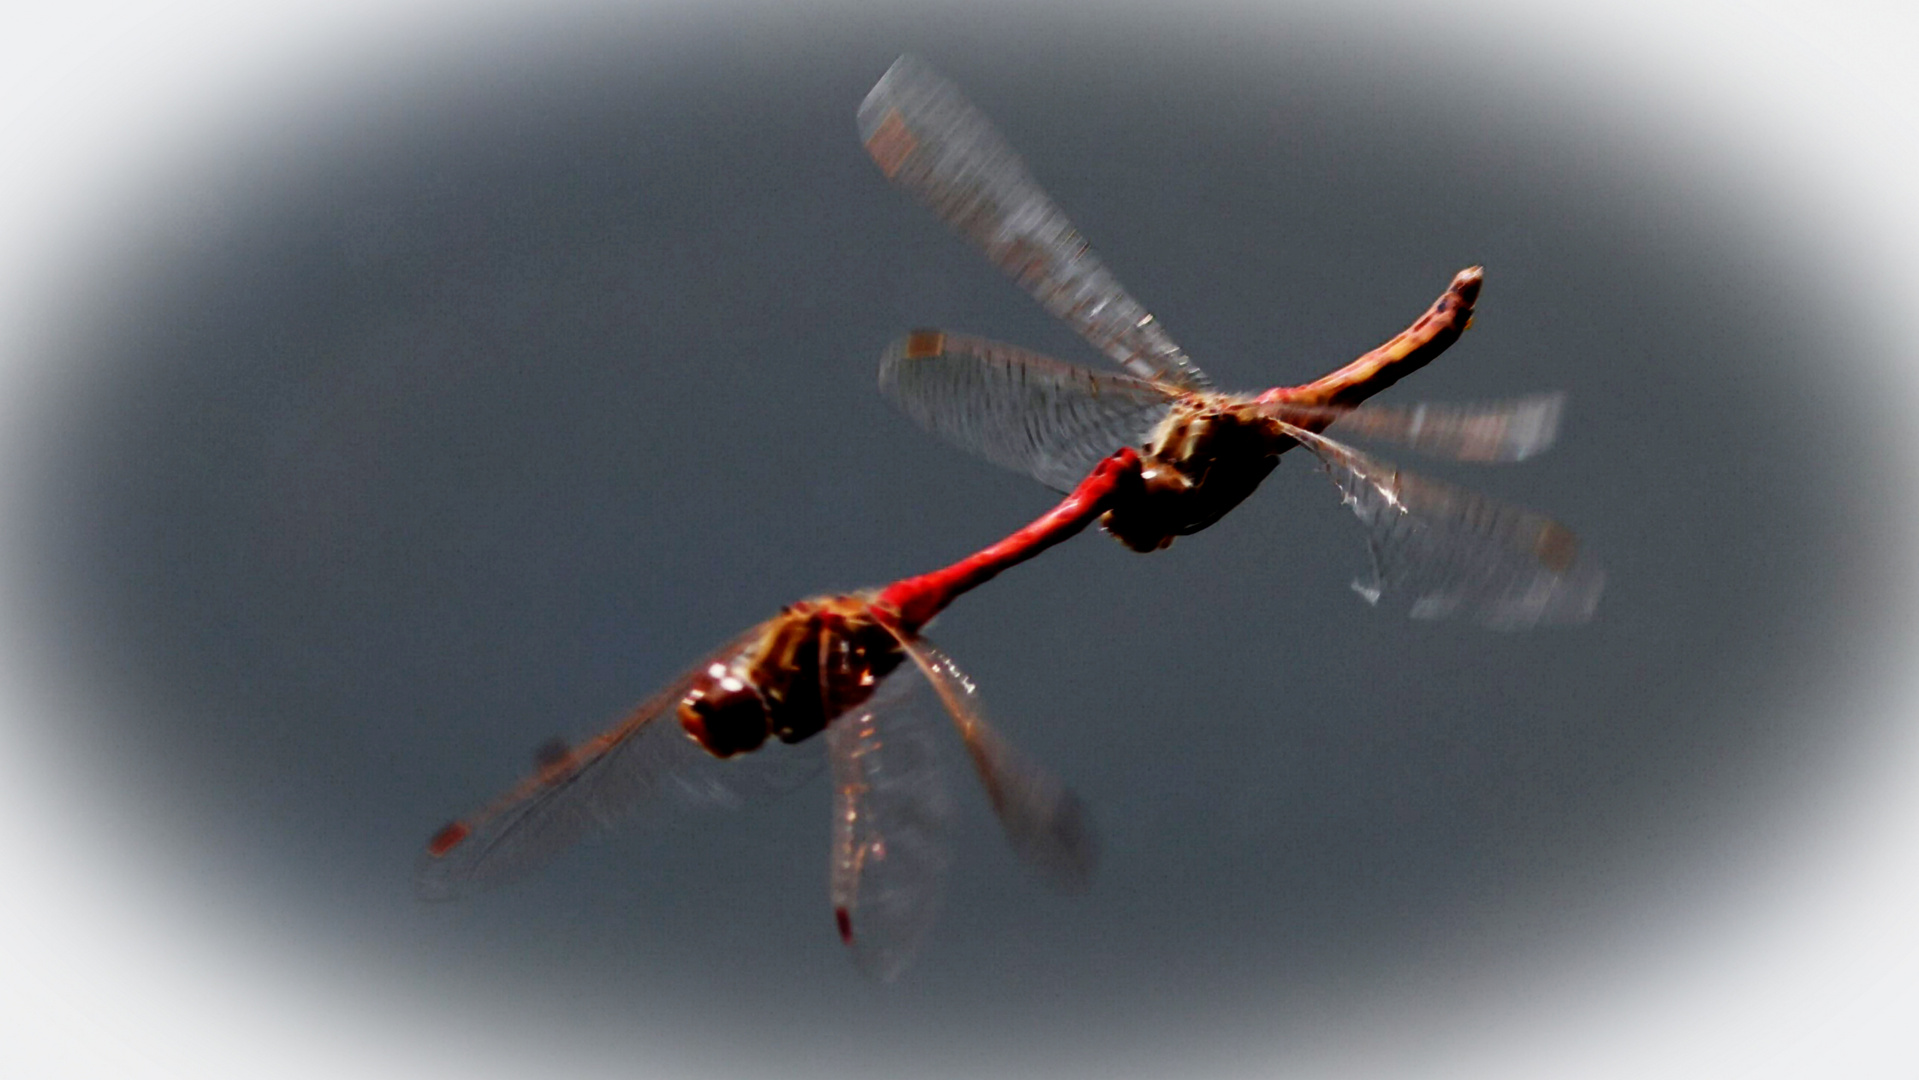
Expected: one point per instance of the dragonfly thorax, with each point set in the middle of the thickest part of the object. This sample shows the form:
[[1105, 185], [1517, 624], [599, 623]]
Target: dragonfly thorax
[[815, 660], [1208, 455]]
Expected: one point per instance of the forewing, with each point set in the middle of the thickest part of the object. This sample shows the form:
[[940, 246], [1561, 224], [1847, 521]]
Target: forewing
[[1496, 431], [927, 138], [1444, 551], [890, 816], [1046, 824], [1017, 408], [645, 760]]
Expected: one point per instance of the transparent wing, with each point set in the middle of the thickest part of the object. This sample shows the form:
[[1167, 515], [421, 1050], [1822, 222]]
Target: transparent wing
[[890, 815], [1045, 823], [1016, 408], [1489, 432], [927, 138], [646, 758], [1444, 551]]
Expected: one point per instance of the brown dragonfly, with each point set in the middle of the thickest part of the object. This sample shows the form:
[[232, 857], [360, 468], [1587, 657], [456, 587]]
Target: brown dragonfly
[[740, 724], [1437, 549]]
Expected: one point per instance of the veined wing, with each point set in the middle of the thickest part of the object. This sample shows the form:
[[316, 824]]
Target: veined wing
[[1445, 551], [927, 138], [1045, 823], [890, 816], [646, 757], [1016, 408], [891, 813], [1495, 431]]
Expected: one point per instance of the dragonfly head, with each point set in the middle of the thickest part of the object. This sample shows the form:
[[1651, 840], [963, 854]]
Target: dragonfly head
[[724, 713]]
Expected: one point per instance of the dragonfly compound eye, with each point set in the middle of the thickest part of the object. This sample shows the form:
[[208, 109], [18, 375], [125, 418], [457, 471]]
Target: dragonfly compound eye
[[724, 715]]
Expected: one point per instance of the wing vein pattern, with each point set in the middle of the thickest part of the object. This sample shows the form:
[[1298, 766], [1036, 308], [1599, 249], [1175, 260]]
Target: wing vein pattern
[[1489, 433], [644, 759], [1045, 823], [891, 811], [928, 139], [1027, 412], [1444, 551]]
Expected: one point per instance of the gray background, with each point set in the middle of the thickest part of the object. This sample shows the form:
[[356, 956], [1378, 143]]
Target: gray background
[[470, 406]]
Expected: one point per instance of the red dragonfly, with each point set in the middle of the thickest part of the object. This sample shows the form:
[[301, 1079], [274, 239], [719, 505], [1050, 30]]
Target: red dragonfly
[[1439, 549], [820, 665]]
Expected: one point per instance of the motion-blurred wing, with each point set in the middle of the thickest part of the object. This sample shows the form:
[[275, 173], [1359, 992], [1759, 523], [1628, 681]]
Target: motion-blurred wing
[[929, 139], [646, 758], [1495, 431], [1446, 551], [890, 814], [1045, 823], [1016, 408]]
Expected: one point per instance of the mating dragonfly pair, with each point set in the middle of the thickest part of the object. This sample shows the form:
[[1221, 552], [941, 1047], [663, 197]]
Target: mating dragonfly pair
[[1152, 453]]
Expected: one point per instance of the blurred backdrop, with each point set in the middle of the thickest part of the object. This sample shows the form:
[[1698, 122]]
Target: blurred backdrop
[[462, 395]]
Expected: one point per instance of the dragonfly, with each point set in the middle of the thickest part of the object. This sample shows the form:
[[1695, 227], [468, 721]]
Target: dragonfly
[[1438, 549], [826, 666]]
